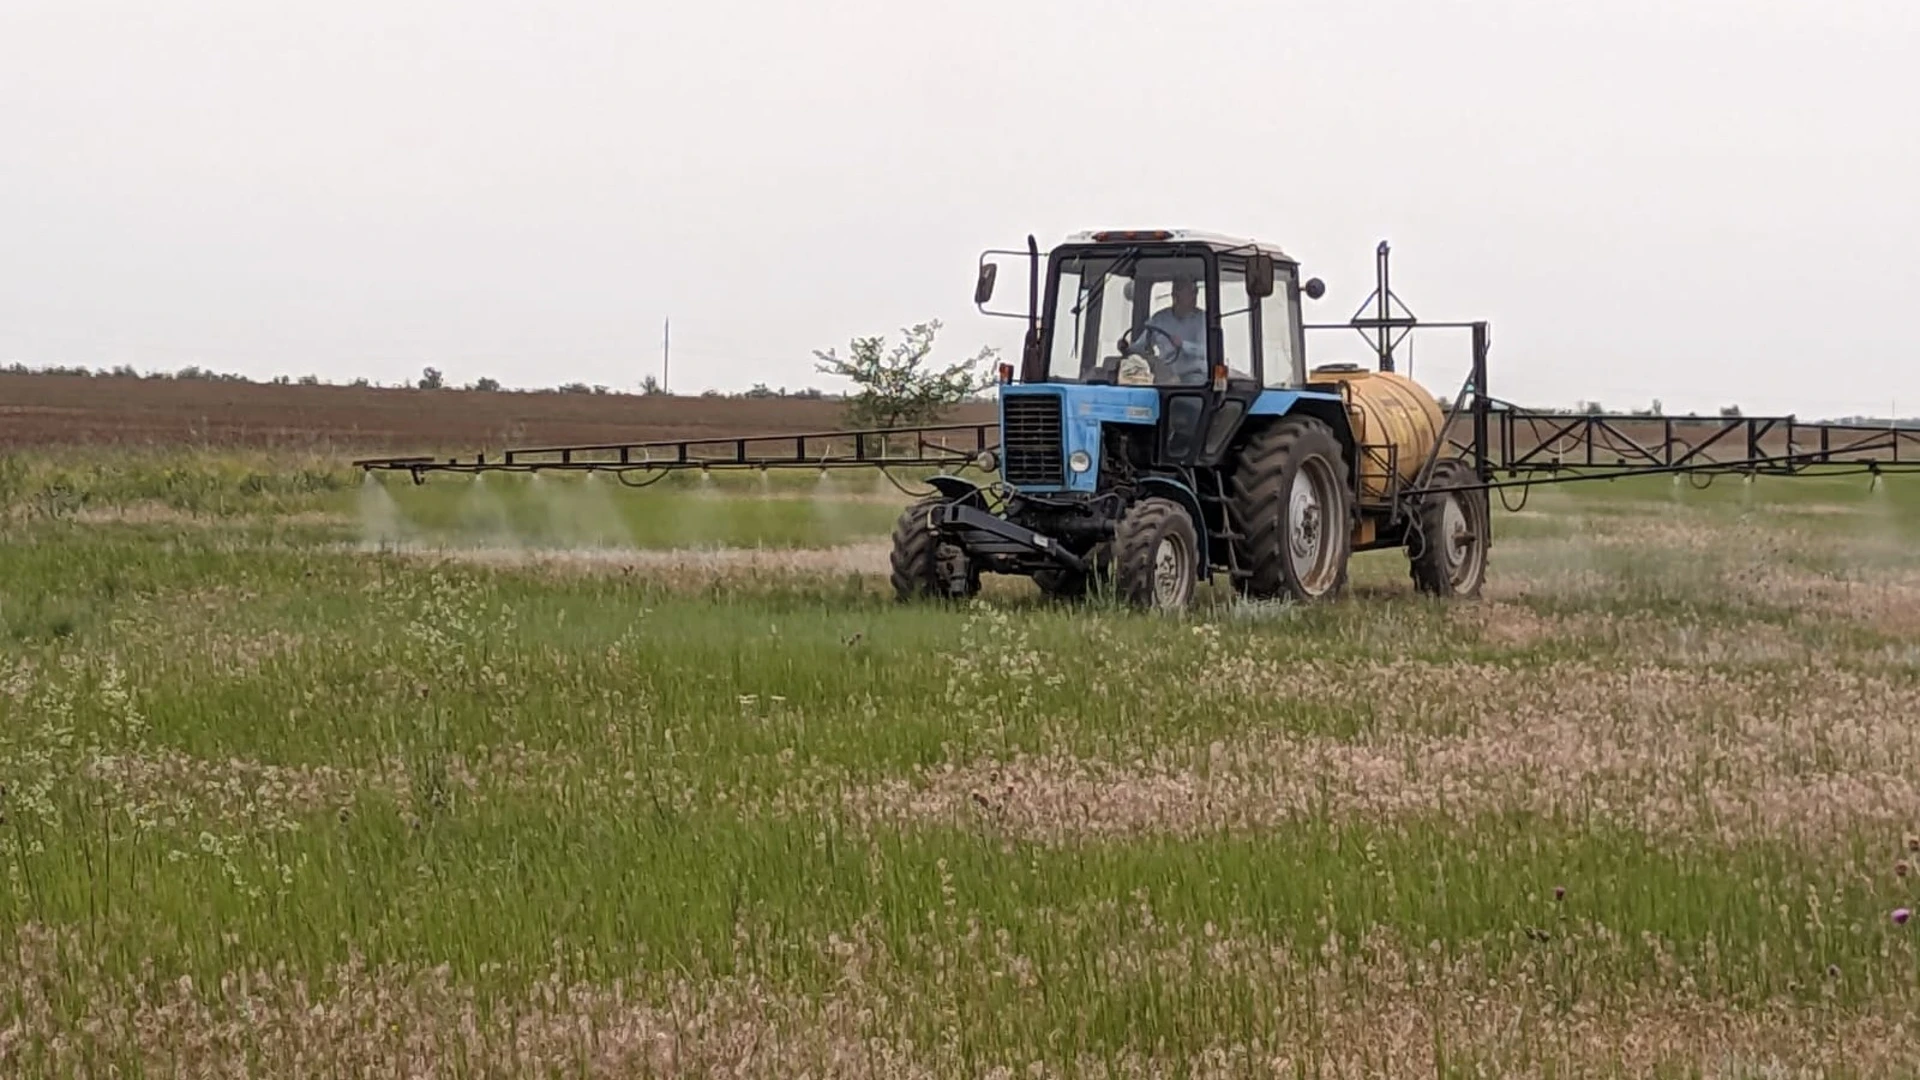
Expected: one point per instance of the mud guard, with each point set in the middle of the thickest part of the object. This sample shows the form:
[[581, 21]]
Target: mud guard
[[1169, 488], [958, 490]]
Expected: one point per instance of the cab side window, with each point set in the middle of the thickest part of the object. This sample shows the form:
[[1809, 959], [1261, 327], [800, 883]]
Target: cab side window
[[1277, 317], [1236, 321]]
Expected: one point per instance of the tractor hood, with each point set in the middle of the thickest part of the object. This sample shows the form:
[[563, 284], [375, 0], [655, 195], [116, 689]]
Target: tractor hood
[[1048, 428]]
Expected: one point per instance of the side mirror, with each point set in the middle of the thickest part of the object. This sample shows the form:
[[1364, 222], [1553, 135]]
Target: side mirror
[[1260, 276], [983, 286], [1314, 288]]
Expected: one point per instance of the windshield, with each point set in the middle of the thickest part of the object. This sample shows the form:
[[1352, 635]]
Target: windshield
[[1131, 320]]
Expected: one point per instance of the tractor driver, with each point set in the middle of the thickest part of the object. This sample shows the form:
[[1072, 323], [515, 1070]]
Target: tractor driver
[[1181, 327]]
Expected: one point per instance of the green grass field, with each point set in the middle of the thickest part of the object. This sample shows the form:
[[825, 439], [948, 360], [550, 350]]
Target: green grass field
[[306, 776]]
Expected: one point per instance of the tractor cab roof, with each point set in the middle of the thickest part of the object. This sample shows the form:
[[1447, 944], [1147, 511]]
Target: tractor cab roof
[[1216, 241]]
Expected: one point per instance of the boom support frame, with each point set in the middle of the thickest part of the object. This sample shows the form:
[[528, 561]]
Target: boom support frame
[[1507, 446]]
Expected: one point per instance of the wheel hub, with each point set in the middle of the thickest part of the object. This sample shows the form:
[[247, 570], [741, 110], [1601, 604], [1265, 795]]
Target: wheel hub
[[1305, 512], [1308, 544], [950, 565], [1461, 552], [1457, 537], [1168, 572]]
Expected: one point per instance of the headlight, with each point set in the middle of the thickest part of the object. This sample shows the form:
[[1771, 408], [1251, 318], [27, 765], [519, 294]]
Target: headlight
[[1079, 462]]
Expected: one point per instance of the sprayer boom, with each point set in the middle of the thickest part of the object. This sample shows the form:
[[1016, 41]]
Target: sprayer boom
[[937, 445]]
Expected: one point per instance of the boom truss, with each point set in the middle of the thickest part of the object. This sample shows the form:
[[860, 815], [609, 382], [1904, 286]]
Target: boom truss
[[933, 445], [1523, 447], [1509, 446]]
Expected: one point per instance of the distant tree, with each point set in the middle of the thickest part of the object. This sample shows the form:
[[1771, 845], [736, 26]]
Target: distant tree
[[575, 388], [651, 387], [431, 379], [309, 380], [486, 384], [361, 381], [897, 388], [1730, 411], [1592, 408]]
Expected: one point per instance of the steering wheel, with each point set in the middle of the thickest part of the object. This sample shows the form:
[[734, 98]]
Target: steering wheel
[[1130, 343]]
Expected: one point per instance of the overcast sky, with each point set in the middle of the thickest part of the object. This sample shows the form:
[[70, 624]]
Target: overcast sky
[[1703, 201]]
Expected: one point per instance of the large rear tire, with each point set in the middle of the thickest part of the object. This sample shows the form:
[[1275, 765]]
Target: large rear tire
[[1294, 505], [1447, 548], [924, 566], [1156, 553]]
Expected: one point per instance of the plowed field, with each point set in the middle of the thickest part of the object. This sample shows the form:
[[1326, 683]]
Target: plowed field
[[55, 410]]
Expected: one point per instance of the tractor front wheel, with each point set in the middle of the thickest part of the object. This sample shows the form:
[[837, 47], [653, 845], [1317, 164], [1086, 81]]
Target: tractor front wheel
[[1292, 502], [1064, 584], [1447, 547], [1156, 553], [925, 566]]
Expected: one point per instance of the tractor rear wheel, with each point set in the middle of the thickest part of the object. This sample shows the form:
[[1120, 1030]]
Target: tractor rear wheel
[[1447, 547], [1292, 502], [925, 566], [1156, 556]]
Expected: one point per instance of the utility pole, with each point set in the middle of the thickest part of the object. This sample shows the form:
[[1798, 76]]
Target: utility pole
[[666, 353]]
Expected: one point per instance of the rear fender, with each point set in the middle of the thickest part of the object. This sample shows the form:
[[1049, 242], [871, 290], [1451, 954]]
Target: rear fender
[[1168, 488], [1329, 409], [1332, 413]]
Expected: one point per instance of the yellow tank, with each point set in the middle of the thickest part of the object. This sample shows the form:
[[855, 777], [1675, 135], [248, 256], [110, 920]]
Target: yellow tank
[[1395, 422]]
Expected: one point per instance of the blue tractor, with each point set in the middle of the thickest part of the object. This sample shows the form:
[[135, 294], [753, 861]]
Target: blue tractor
[[1166, 428]]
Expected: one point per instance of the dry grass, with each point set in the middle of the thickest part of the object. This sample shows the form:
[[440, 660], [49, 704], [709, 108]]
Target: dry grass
[[163, 788], [1682, 753], [1382, 1009]]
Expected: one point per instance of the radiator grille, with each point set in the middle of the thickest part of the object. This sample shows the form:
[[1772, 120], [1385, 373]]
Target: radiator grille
[[1030, 443]]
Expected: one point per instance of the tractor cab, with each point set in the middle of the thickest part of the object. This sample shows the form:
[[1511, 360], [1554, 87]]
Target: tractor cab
[[1167, 309], [1144, 348]]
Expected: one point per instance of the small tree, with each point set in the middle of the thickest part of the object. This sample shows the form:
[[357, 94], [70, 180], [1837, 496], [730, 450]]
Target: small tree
[[897, 388], [487, 384], [1730, 411], [431, 379]]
